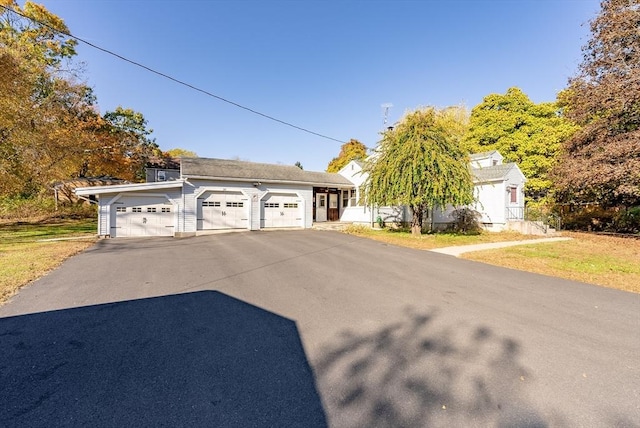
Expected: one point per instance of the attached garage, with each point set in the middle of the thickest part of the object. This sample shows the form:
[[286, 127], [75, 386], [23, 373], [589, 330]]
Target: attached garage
[[223, 210], [281, 210], [212, 195], [142, 216]]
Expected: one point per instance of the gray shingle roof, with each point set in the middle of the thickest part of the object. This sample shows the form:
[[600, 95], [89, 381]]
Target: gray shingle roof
[[242, 170], [492, 173]]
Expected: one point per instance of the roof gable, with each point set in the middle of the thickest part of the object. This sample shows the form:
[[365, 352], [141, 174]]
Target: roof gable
[[495, 172]]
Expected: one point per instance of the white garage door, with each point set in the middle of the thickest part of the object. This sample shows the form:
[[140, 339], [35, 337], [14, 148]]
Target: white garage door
[[142, 216], [281, 210], [223, 210]]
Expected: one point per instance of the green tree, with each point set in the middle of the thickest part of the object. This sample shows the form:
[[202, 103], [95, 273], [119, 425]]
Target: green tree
[[352, 150], [132, 138], [523, 132], [298, 164], [601, 162], [420, 164]]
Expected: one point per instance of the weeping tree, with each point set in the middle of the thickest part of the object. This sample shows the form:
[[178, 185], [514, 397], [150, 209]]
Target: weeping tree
[[420, 164]]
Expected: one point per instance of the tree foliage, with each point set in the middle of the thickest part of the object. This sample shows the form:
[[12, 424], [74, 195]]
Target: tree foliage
[[181, 153], [352, 150], [420, 164], [50, 127], [601, 162], [523, 132]]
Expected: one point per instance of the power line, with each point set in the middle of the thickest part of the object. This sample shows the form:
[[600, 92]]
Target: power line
[[178, 81]]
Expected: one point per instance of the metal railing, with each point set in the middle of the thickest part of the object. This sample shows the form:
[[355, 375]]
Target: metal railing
[[515, 213]]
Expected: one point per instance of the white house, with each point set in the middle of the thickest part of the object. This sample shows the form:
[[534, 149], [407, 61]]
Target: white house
[[498, 191], [499, 194], [215, 194]]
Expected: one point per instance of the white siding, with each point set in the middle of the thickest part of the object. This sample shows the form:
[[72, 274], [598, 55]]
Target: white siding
[[103, 215], [195, 187], [491, 205], [362, 214]]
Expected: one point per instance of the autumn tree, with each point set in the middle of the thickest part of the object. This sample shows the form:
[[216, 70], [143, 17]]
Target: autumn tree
[[420, 164], [50, 127], [522, 131], [181, 153], [352, 150], [601, 162], [34, 96]]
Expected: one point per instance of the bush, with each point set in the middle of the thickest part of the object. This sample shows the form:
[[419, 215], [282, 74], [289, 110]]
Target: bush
[[627, 221], [597, 219], [466, 220], [41, 208]]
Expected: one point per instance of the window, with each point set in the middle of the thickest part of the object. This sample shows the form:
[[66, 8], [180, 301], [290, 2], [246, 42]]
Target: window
[[136, 209], [121, 209], [353, 197], [513, 192], [235, 204], [162, 176], [210, 204], [151, 209], [166, 210], [495, 162], [345, 198], [290, 205], [271, 205], [323, 201], [333, 200]]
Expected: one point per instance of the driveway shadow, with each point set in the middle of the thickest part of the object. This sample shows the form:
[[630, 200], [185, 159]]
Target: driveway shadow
[[419, 372], [195, 359]]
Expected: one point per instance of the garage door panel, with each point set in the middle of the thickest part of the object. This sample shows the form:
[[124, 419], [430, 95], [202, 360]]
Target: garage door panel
[[281, 210], [142, 216], [223, 210]]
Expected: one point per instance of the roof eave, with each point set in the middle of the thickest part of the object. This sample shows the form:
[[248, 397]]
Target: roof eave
[[263, 180], [133, 187]]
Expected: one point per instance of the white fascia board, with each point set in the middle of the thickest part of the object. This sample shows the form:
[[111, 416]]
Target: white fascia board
[[493, 180], [134, 187], [261, 180]]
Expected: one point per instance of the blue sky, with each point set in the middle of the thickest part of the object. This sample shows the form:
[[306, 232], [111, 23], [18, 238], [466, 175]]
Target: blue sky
[[327, 66]]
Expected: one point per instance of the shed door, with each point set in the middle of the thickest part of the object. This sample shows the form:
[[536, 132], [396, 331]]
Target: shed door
[[142, 216], [281, 210], [223, 210]]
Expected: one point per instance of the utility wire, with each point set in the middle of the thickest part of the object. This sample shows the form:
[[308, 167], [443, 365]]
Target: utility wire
[[178, 81]]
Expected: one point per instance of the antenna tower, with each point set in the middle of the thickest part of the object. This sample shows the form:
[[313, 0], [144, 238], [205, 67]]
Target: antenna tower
[[386, 107]]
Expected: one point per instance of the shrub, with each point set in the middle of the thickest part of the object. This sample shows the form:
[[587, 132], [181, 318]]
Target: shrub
[[466, 220], [627, 221], [42, 208], [589, 217]]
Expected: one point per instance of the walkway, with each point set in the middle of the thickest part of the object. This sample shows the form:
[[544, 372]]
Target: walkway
[[461, 249]]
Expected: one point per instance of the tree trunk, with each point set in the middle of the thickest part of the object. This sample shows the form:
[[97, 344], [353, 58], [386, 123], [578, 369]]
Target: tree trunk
[[416, 220]]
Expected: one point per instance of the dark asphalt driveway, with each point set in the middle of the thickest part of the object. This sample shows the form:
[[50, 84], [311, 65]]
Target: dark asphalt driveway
[[309, 328]]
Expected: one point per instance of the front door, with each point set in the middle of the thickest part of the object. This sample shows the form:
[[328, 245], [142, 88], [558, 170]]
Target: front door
[[334, 212], [321, 207]]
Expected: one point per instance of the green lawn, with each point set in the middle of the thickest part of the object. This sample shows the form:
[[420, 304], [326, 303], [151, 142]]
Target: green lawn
[[25, 255]]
